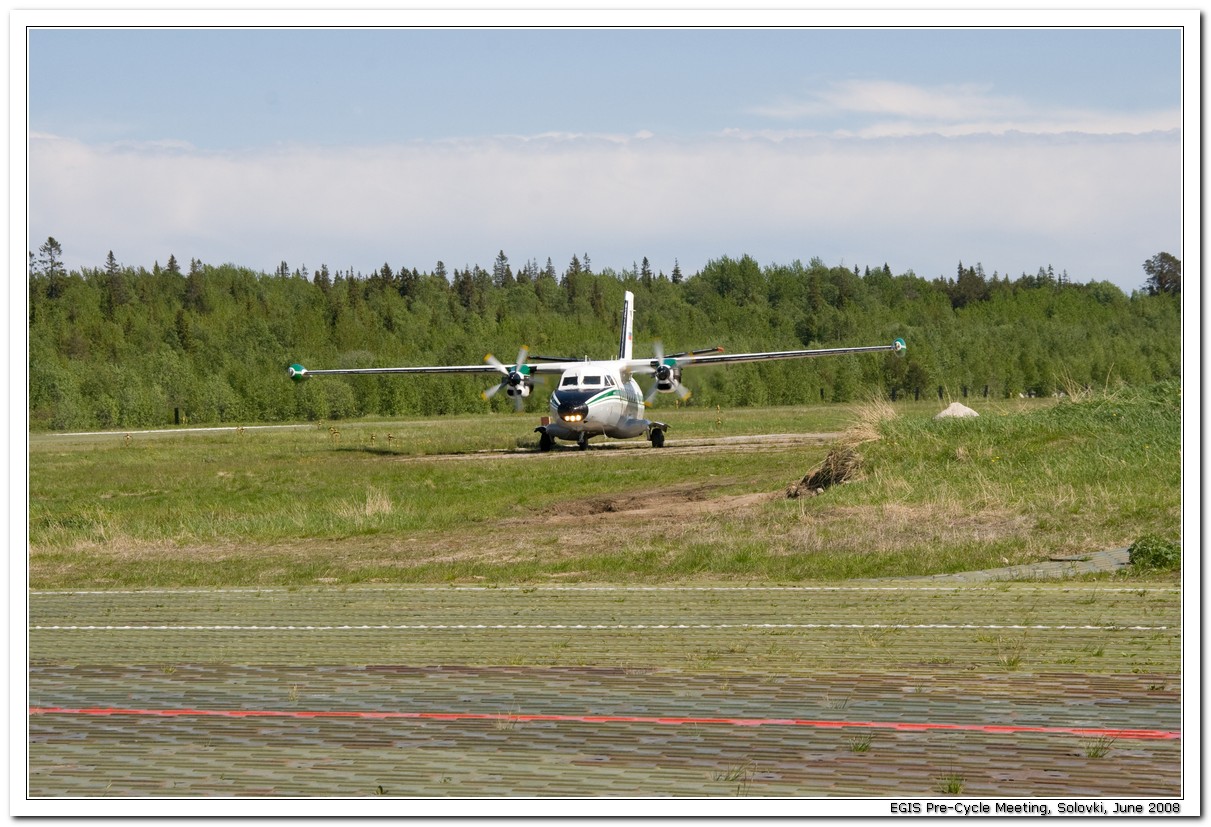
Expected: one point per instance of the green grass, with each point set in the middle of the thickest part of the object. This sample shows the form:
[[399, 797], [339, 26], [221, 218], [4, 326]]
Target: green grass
[[861, 743], [295, 507], [1061, 479], [1098, 747], [951, 783]]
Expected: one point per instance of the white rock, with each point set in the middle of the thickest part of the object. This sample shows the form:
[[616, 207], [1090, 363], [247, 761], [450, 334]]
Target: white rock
[[956, 409]]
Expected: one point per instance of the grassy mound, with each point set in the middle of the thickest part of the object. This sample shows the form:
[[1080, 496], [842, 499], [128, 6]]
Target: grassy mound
[[1008, 487]]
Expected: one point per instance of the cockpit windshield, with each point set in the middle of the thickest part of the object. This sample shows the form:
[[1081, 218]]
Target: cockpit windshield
[[572, 380]]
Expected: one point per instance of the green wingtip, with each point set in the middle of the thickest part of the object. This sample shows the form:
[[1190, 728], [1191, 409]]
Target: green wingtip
[[899, 345], [298, 373]]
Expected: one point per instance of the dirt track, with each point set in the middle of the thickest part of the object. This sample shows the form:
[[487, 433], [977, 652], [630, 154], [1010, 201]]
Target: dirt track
[[606, 447]]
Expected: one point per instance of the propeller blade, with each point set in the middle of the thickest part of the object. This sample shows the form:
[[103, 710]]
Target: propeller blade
[[715, 349], [496, 363], [515, 375], [647, 400]]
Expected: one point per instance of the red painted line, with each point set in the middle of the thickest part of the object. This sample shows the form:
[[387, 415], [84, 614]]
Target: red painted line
[[900, 726]]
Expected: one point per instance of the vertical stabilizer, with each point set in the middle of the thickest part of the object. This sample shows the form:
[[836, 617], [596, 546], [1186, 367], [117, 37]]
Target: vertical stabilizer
[[628, 320]]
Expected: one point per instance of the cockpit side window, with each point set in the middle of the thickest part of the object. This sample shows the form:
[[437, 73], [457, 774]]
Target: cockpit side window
[[609, 381]]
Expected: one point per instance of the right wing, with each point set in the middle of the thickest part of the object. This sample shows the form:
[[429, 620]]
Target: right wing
[[514, 373], [298, 372]]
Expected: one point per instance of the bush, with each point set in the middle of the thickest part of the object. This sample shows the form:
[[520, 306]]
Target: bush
[[1155, 552]]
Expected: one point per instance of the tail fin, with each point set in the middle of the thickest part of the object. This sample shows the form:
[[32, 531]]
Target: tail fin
[[628, 322]]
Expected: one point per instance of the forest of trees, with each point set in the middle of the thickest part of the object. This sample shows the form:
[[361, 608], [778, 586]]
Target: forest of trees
[[125, 347]]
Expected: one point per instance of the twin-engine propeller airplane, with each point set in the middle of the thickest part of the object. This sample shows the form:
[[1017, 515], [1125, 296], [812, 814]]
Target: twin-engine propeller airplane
[[600, 397]]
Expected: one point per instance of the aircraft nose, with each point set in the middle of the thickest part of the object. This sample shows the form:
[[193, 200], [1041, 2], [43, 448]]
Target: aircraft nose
[[573, 412]]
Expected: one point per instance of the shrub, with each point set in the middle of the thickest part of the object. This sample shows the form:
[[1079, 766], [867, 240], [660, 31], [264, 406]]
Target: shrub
[[1154, 552]]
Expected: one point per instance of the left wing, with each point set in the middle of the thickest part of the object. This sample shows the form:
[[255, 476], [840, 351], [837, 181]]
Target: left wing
[[667, 370], [686, 359]]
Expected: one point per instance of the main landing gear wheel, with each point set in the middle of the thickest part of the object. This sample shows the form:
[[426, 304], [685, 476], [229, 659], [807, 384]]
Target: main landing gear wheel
[[657, 438], [545, 443]]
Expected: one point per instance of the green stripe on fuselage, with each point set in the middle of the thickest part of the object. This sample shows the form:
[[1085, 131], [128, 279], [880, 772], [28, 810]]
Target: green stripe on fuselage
[[604, 395]]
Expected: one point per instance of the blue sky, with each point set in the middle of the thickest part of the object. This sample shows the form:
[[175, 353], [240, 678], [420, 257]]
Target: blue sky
[[1016, 148]]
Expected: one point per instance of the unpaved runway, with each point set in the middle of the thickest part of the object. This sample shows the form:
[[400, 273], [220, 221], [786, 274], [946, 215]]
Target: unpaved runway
[[879, 689], [600, 446]]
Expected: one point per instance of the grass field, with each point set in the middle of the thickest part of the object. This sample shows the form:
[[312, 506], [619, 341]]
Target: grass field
[[470, 500], [614, 622]]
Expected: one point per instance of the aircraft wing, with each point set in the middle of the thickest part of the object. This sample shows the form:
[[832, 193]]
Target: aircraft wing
[[686, 360], [491, 365], [295, 370]]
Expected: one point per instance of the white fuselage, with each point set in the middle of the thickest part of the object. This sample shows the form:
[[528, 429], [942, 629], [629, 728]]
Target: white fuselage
[[597, 398]]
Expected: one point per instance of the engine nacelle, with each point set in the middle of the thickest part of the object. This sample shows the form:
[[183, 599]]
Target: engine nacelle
[[522, 390], [667, 379]]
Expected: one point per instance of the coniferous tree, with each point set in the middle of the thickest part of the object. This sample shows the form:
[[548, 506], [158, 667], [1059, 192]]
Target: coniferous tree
[[50, 262], [571, 280], [384, 279], [1164, 274], [50, 258], [117, 293], [195, 298], [464, 287], [406, 281], [323, 279], [502, 273]]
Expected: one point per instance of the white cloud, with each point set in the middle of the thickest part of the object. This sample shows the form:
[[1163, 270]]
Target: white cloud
[[874, 109], [949, 102], [1094, 206]]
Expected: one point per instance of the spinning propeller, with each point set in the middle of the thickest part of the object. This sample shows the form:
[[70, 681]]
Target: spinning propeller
[[667, 375], [516, 381]]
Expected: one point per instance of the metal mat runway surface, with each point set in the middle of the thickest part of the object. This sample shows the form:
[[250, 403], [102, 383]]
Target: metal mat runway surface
[[1016, 690]]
